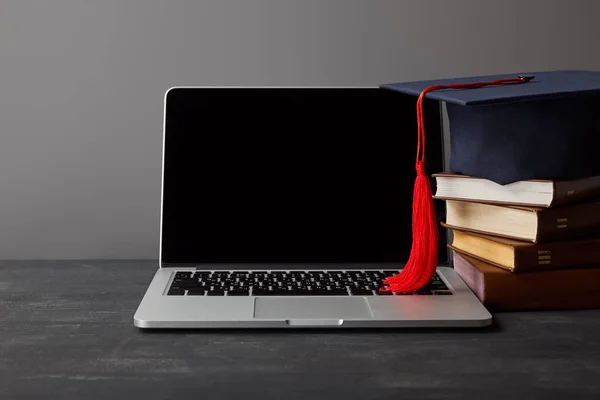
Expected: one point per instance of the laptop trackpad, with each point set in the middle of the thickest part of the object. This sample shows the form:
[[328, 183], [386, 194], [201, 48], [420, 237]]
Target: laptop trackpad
[[331, 308]]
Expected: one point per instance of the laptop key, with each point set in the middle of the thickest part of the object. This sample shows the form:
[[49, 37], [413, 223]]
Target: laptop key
[[195, 292], [325, 292], [176, 292], [239, 292], [188, 284], [216, 292], [261, 291], [361, 292], [300, 292], [438, 286], [423, 292]]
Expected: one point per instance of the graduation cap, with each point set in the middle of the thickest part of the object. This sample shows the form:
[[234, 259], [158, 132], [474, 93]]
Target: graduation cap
[[504, 128]]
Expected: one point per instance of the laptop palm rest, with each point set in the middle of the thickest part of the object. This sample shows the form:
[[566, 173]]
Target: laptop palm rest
[[310, 311]]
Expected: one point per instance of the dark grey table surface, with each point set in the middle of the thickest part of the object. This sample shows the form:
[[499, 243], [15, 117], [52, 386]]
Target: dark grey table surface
[[66, 332]]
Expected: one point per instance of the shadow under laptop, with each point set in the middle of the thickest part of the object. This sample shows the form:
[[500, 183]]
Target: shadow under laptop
[[495, 327]]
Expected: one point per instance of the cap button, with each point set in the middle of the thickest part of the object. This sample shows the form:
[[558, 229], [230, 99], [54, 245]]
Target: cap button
[[527, 78]]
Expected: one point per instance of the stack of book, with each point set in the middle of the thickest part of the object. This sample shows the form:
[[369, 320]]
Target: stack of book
[[528, 245]]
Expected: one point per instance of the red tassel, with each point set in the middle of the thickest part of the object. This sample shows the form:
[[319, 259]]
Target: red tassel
[[422, 263]]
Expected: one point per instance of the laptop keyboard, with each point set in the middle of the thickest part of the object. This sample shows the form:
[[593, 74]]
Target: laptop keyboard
[[290, 283]]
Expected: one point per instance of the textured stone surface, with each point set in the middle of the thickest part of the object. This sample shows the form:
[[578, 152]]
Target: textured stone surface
[[66, 332]]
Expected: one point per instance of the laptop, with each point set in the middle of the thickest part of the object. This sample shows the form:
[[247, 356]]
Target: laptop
[[286, 207]]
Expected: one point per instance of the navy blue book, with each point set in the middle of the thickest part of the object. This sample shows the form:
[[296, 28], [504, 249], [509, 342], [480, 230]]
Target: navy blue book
[[547, 128]]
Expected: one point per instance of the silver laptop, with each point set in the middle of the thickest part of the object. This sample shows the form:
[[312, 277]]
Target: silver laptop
[[285, 207]]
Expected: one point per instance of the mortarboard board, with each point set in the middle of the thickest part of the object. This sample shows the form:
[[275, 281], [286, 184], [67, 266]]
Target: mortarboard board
[[546, 129], [504, 128]]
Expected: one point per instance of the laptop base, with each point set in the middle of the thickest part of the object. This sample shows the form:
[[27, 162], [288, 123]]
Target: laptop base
[[161, 311]]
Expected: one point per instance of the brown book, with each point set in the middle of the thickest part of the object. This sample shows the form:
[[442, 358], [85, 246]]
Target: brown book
[[538, 225], [519, 256], [537, 193], [501, 290]]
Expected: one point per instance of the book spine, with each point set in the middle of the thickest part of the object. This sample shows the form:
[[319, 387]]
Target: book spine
[[521, 296], [557, 255], [500, 290], [568, 222], [566, 192], [480, 257]]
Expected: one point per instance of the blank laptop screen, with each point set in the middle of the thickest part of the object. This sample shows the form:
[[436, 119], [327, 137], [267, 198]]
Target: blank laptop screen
[[291, 175]]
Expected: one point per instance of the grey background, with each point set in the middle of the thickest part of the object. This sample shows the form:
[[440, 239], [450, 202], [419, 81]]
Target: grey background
[[82, 84]]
